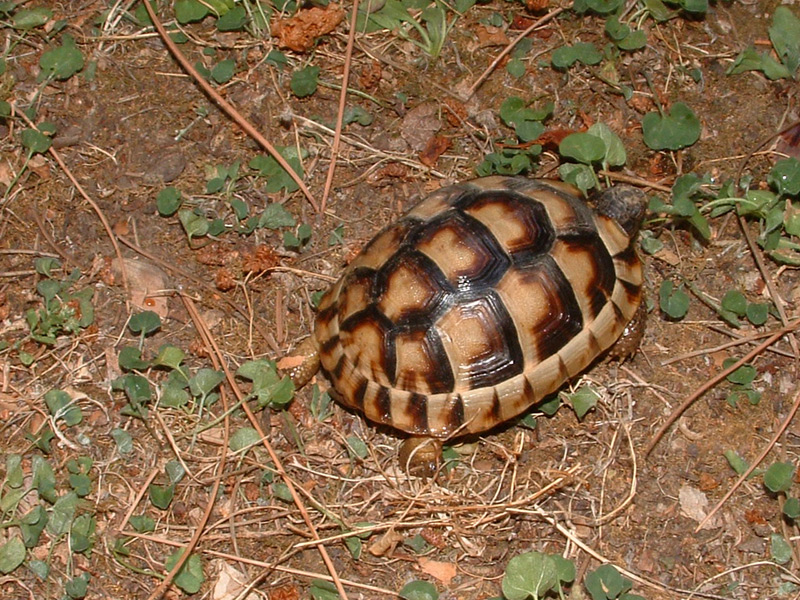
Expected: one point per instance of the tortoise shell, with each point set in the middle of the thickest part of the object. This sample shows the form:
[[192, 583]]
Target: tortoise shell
[[481, 300]]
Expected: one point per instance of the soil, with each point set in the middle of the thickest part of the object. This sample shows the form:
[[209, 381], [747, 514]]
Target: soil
[[582, 488]]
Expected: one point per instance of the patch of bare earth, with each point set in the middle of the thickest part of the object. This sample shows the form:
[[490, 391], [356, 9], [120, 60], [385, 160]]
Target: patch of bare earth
[[580, 488]]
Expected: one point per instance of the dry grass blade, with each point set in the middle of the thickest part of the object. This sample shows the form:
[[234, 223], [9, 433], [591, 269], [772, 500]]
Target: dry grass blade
[[230, 110]]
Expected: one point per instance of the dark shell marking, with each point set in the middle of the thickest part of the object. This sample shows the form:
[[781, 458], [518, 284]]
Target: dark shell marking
[[480, 301]]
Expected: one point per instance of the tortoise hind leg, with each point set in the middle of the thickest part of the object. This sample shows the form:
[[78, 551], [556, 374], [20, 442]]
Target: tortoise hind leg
[[302, 373], [631, 337]]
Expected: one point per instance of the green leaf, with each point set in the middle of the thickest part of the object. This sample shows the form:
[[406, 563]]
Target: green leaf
[[357, 447], [81, 535], [189, 11], [224, 70], [659, 11], [277, 177], [81, 484], [123, 440], [699, 7], [606, 583], [275, 215], [604, 7], [45, 266], [169, 356], [566, 56], [583, 400], [77, 587], [791, 508], [750, 60], [61, 406], [673, 300], [12, 554], [161, 495], [143, 523], [61, 63], [516, 68], [784, 33], [190, 577], [175, 471], [168, 201], [532, 574], [173, 391], [356, 114], [233, 20], [35, 141], [582, 147], [679, 129], [14, 474], [63, 514], [205, 381], [44, 478], [780, 549], [785, 177], [29, 18], [744, 375], [304, 82], [130, 358], [581, 176], [323, 590], [735, 302], [614, 149], [757, 313], [145, 322], [32, 524], [243, 438], [779, 476], [419, 590], [193, 224]]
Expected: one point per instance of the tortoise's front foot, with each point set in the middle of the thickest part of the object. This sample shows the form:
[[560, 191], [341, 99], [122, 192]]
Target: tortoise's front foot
[[421, 456]]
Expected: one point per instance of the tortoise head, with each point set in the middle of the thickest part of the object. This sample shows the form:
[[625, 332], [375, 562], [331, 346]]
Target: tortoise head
[[624, 204]]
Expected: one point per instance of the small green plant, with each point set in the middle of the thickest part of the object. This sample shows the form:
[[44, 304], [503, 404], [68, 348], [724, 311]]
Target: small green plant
[[422, 22], [566, 56], [598, 146], [784, 34], [304, 81], [606, 583], [534, 575], [775, 209], [33, 501], [623, 36], [517, 154], [674, 130], [64, 311]]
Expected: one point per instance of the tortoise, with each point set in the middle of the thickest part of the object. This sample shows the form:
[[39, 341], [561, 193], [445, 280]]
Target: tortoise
[[484, 298]]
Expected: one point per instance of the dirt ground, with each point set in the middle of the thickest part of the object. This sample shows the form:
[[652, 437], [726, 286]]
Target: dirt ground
[[580, 488]]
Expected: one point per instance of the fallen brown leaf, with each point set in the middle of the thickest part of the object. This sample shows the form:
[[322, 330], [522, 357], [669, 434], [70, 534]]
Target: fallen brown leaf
[[299, 32], [433, 150], [443, 571], [490, 36]]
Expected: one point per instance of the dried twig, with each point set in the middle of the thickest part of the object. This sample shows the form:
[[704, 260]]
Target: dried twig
[[348, 60]]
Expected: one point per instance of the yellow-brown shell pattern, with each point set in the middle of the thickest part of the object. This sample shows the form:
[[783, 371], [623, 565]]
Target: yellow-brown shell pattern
[[481, 300]]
